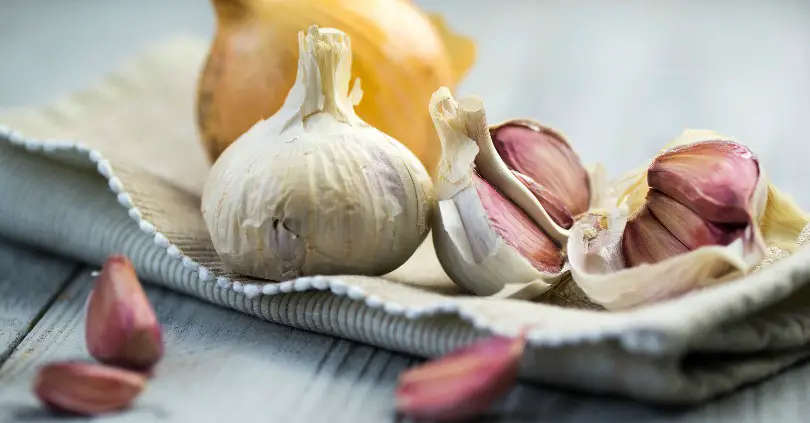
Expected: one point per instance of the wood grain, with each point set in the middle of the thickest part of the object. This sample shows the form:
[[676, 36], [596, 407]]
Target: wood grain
[[29, 282], [219, 364]]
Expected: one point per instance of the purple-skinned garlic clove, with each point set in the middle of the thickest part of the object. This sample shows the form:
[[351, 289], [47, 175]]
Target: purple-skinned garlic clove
[[87, 388], [544, 156], [121, 326], [554, 206], [462, 383], [518, 230], [716, 179]]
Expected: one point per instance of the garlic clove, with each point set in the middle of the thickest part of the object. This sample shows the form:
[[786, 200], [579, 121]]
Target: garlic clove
[[664, 228], [550, 202], [87, 388], [714, 178], [646, 240], [668, 247], [461, 383], [545, 156], [489, 229], [686, 226], [517, 230], [121, 326]]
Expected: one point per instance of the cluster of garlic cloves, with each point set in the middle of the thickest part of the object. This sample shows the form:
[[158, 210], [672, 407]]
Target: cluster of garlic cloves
[[500, 218], [702, 212], [122, 334], [700, 194]]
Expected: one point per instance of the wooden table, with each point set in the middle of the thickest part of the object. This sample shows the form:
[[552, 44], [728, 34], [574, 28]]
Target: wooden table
[[221, 364]]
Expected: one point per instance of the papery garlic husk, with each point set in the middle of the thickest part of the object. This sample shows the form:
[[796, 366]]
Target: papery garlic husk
[[716, 229], [489, 229], [314, 189]]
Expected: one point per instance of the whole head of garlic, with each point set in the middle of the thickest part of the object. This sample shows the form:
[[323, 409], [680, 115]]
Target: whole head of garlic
[[314, 189], [701, 213], [495, 224]]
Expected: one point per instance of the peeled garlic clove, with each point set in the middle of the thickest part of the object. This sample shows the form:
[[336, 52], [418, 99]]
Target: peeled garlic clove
[[671, 244], [716, 179], [314, 189], [121, 327], [490, 229], [461, 383], [545, 156], [550, 202], [87, 388]]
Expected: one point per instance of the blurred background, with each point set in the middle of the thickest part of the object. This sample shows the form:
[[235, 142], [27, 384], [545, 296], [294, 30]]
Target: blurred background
[[621, 78]]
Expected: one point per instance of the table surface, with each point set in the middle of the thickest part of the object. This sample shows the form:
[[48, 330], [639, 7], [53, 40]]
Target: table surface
[[744, 69]]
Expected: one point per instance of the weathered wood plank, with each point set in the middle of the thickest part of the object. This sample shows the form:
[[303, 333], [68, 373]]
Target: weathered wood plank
[[29, 282], [219, 364]]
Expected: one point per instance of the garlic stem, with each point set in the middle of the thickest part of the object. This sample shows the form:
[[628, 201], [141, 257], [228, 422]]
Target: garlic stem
[[324, 72], [458, 150]]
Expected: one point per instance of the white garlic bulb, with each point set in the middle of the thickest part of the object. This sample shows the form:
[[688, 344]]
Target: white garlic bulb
[[314, 189]]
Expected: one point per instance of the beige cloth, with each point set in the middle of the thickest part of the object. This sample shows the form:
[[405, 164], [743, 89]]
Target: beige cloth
[[126, 177]]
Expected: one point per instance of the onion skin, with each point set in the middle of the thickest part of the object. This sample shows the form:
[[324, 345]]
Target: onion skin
[[400, 55]]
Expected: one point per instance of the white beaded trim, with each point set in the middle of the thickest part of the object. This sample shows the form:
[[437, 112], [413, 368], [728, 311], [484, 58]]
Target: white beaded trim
[[632, 337]]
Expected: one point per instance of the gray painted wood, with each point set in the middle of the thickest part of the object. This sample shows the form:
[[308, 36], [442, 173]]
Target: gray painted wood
[[222, 365], [29, 282], [219, 365]]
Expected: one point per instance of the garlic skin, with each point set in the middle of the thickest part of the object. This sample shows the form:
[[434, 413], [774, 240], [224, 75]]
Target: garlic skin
[[86, 388], [489, 229], [463, 383], [121, 327], [314, 189], [544, 157], [705, 241]]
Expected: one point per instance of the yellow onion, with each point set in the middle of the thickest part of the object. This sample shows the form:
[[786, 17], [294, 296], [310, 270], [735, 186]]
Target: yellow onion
[[400, 55]]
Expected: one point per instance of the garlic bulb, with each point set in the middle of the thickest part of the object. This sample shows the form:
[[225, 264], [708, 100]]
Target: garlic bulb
[[401, 53], [695, 216], [314, 189], [491, 226]]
